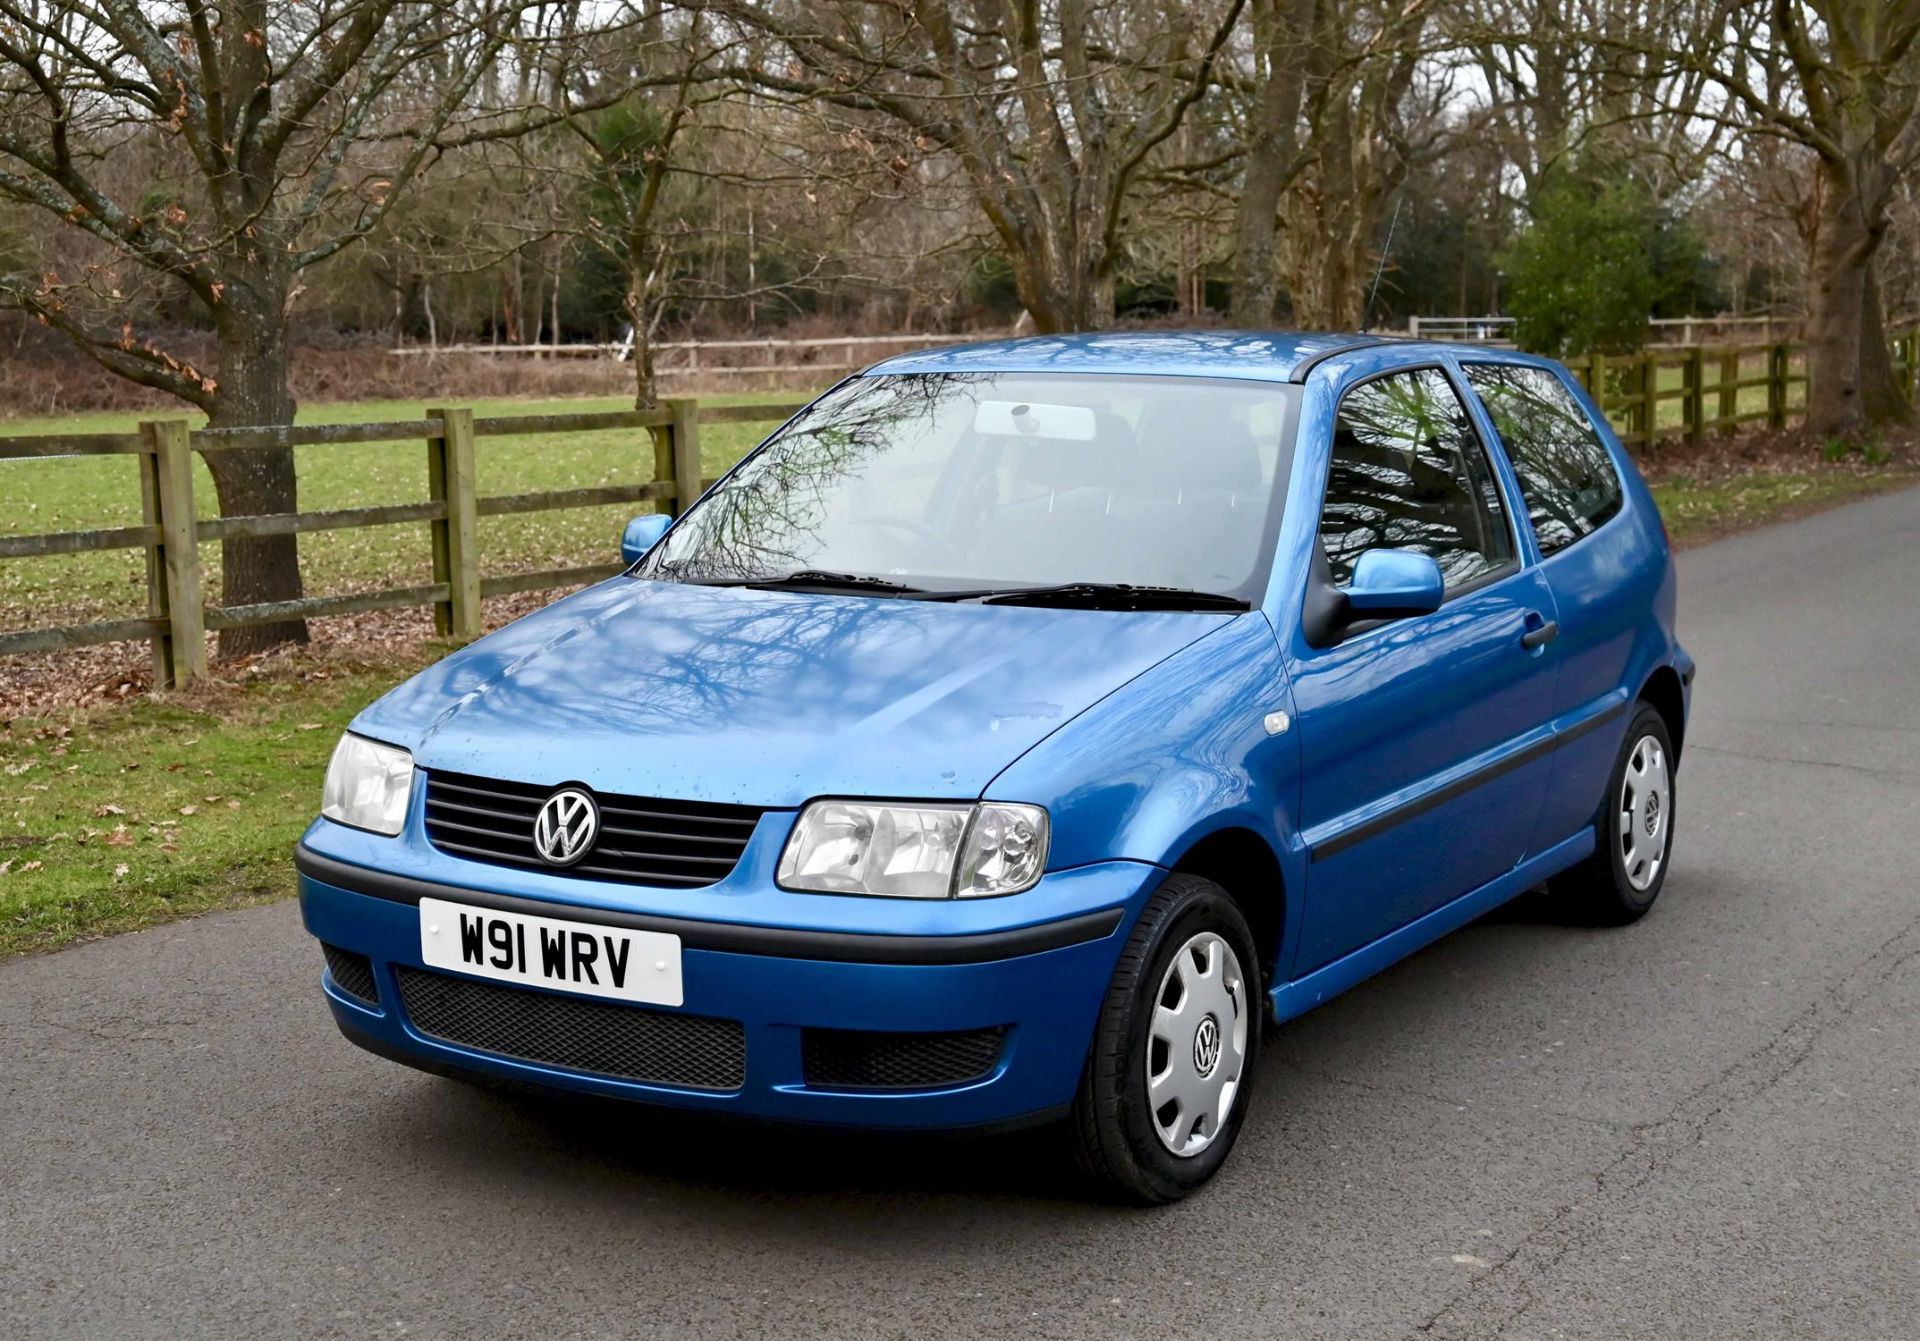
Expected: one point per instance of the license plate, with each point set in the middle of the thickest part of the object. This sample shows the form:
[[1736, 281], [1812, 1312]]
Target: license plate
[[548, 952]]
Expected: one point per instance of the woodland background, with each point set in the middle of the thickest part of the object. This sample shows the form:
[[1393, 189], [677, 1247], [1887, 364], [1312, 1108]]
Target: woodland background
[[228, 204]]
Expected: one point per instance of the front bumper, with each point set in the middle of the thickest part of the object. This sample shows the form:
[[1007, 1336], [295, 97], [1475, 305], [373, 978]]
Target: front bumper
[[1042, 983]]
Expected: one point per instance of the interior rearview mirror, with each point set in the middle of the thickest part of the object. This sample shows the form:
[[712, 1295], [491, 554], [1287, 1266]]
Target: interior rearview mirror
[[1388, 583], [641, 535]]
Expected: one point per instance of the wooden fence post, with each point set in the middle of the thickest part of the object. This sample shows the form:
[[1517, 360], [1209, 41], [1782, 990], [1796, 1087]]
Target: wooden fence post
[[173, 576], [1729, 390], [684, 448], [1597, 380], [1649, 398], [456, 547], [1696, 402], [1777, 386]]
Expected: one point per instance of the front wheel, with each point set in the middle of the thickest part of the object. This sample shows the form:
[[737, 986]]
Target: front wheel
[[1167, 1083], [1633, 834]]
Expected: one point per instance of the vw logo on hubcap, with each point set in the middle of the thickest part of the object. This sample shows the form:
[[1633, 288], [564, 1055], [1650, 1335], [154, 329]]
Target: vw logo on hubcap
[[1206, 1046], [1653, 812], [566, 827]]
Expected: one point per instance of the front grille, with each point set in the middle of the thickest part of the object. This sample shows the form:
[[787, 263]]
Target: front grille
[[352, 973], [854, 1059], [629, 1042], [644, 842]]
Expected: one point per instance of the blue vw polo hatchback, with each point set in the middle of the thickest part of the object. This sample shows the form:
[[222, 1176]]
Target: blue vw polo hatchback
[[1016, 734]]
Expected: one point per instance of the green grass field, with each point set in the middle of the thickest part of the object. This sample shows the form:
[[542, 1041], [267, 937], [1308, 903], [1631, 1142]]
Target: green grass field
[[85, 493]]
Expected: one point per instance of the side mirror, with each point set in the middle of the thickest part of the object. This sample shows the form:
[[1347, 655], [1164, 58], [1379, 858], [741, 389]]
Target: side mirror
[[1390, 583], [641, 535]]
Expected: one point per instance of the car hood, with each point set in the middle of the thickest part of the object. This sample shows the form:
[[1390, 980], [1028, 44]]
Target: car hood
[[768, 698]]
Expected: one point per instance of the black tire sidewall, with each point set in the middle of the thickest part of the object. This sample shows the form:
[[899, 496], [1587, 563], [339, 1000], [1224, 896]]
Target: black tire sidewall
[[1200, 906], [1646, 722]]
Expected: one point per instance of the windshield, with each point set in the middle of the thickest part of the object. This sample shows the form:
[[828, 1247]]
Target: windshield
[[956, 481]]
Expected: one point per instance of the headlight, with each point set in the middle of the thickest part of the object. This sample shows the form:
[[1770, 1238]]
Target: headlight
[[915, 852], [368, 785]]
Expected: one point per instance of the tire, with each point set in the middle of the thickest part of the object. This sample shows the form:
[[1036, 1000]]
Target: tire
[[1633, 833], [1192, 946]]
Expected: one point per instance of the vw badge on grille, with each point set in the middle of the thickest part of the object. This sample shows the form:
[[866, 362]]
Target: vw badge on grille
[[566, 827]]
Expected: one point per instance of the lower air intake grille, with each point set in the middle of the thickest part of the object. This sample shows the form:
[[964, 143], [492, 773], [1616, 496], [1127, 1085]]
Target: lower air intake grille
[[629, 1042], [352, 973], [852, 1059]]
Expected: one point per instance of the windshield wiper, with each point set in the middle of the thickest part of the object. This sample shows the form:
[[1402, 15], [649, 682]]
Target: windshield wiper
[[1097, 596], [811, 579]]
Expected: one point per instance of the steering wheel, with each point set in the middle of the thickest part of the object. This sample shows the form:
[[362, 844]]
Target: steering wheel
[[918, 530]]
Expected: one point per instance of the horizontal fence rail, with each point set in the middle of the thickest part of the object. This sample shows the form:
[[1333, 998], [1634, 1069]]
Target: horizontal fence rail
[[1706, 382], [179, 616]]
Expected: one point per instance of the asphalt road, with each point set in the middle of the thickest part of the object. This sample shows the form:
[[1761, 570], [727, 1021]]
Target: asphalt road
[[1706, 1125]]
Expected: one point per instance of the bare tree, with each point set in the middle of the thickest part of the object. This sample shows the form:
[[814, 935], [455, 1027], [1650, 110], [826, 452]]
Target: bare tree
[[1277, 146], [1053, 110], [1341, 98], [1840, 78], [274, 135], [628, 152]]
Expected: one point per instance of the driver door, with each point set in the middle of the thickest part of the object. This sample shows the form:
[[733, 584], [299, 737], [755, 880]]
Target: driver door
[[1422, 774]]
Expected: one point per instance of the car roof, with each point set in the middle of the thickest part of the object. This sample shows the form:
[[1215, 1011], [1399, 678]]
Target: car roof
[[1262, 356]]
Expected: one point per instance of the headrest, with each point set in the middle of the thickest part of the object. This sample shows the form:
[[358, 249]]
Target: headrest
[[1223, 458], [1053, 464]]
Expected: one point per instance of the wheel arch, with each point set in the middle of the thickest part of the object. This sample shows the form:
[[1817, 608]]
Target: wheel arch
[[1664, 692], [1244, 864]]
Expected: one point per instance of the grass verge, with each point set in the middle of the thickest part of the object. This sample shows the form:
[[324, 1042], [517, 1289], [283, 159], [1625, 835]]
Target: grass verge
[[125, 816], [1698, 509]]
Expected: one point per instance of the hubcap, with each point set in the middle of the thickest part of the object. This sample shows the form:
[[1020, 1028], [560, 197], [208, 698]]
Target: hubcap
[[1196, 1044], [1646, 807]]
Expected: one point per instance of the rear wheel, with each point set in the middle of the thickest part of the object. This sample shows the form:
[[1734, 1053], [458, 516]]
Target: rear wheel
[[1167, 1083], [1633, 834]]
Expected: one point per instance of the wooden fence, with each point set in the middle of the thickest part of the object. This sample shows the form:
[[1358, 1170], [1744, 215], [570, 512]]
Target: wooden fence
[[1708, 384], [178, 617], [1707, 381]]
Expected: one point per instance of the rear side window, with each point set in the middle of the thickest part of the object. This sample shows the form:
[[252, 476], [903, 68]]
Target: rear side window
[[1566, 476], [1408, 472]]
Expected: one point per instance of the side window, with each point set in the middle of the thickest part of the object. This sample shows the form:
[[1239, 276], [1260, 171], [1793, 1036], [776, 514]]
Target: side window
[[1566, 476], [1408, 472]]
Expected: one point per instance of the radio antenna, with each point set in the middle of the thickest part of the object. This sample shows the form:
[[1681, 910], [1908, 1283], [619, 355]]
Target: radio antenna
[[1380, 268]]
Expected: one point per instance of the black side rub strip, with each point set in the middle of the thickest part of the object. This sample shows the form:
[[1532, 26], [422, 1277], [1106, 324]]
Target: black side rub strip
[[1379, 824], [733, 938]]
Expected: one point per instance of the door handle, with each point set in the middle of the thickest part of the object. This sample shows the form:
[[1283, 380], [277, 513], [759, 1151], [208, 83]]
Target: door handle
[[1539, 633]]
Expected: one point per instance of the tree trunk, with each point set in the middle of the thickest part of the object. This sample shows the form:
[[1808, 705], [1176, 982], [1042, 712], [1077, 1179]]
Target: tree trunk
[[1281, 31], [1850, 382], [1256, 271], [1881, 395], [256, 391], [1062, 292], [646, 393], [1841, 248]]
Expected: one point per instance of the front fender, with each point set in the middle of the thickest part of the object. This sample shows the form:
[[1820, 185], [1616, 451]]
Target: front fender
[[1176, 755]]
